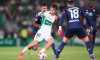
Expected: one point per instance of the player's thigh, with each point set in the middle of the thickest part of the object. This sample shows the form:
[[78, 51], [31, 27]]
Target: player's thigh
[[69, 33], [65, 40], [81, 33], [39, 36], [50, 40], [33, 43], [35, 47], [86, 39]]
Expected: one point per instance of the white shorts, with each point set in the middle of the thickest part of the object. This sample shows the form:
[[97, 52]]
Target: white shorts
[[40, 35]]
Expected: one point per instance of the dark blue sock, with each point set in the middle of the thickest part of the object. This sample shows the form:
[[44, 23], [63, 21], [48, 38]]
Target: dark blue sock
[[32, 48], [54, 48], [90, 49], [60, 48]]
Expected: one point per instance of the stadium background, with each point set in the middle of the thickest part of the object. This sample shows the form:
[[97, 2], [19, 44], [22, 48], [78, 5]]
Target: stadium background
[[17, 19]]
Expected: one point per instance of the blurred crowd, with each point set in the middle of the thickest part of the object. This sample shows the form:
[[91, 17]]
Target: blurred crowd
[[17, 16]]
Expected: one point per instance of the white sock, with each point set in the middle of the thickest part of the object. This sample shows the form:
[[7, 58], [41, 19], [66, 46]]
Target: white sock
[[25, 49], [42, 50]]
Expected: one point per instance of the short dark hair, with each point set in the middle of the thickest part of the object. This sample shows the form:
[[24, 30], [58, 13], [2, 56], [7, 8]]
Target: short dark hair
[[70, 1], [43, 4], [54, 6]]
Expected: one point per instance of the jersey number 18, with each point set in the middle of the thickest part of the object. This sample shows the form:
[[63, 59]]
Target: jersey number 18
[[74, 13]]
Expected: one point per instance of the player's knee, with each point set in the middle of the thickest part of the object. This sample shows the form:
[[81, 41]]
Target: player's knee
[[50, 42], [35, 49]]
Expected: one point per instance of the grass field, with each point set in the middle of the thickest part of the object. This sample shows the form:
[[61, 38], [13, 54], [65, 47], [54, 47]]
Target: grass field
[[69, 53]]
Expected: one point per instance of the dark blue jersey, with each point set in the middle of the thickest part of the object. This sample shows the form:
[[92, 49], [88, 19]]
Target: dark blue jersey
[[91, 12], [38, 19], [73, 15]]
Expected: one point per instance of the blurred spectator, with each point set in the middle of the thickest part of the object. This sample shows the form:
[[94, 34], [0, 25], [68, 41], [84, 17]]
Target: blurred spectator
[[24, 36], [17, 14]]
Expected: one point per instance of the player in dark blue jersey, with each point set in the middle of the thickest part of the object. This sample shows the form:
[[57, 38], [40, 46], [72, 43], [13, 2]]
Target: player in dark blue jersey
[[92, 14], [74, 26]]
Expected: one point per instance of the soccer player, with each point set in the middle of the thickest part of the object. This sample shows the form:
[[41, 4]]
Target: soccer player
[[92, 14], [74, 26], [44, 32], [38, 19]]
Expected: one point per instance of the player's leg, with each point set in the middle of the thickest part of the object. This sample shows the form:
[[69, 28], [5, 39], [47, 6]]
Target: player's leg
[[94, 36], [89, 47], [61, 46], [82, 35], [34, 32], [48, 45], [34, 43], [68, 35], [54, 48]]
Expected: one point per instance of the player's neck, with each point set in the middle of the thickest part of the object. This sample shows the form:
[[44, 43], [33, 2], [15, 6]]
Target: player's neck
[[70, 5], [90, 8]]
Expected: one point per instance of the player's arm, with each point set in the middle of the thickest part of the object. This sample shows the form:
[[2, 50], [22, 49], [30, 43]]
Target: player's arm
[[87, 19], [37, 24], [98, 13], [61, 22], [56, 18]]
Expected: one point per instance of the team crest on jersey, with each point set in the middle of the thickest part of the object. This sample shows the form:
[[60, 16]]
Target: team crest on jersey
[[90, 14]]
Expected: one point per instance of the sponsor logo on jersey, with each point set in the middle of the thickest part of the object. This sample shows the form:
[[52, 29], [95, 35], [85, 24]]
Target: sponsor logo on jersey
[[90, 14], [73, 21]]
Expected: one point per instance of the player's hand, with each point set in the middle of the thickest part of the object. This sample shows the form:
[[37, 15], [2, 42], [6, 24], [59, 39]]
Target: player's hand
[[91, 29], [59, 31]]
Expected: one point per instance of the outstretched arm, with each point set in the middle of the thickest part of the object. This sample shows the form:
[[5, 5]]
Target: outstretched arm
[[61, 23]]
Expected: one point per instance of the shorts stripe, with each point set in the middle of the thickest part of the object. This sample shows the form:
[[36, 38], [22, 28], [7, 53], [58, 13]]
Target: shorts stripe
[[92, 35], [84, 37], [67, 37]]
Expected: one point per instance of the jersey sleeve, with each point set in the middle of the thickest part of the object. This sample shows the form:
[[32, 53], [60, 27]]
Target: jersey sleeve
[[85, 16], [38, 19], [83, 13], [62, 18]]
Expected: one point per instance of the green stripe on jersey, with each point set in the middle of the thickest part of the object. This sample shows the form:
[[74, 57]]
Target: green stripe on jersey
[[47, 22], [42, 21]]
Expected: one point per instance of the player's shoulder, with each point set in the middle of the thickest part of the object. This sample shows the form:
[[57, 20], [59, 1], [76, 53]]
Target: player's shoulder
[[47, 12], [39, 13]]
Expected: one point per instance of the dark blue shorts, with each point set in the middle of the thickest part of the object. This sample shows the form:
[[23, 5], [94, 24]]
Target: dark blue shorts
[[80, 32], [35, 30]]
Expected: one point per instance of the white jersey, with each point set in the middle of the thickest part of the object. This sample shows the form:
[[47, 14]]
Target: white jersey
[[44, 31], [47, 21]]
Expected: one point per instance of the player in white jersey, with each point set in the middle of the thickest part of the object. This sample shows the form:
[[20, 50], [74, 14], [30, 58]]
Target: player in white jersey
[[44, 31]]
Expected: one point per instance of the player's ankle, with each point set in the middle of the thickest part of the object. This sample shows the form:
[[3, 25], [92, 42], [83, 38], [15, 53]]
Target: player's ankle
[[43, 50]]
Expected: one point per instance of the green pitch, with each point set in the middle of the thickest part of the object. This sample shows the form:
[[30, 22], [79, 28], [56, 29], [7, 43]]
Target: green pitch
[[69, 53]]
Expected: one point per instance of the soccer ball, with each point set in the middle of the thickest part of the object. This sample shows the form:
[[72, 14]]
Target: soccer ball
[[42, 56]]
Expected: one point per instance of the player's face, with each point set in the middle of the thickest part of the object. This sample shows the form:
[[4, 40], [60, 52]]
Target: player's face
[[91, 4], [43, 8], [52, 10]]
